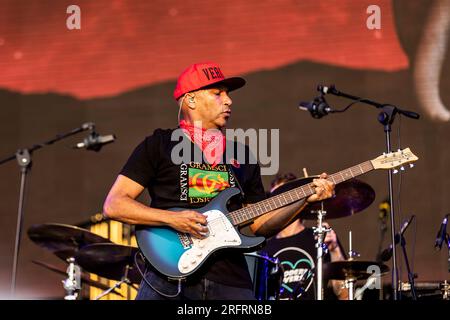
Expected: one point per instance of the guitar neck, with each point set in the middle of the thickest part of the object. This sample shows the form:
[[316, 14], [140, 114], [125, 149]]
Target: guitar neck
[[255, 210]]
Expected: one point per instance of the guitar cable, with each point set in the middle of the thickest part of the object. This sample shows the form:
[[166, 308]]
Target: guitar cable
[[148, 283]]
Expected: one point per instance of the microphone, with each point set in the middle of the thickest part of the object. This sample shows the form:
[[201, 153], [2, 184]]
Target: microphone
[[95, 142], [387, 253], [325, 90], [442, 234], [318, 107]]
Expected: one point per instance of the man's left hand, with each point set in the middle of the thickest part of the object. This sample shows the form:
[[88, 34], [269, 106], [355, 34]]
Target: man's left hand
[[324, 189]]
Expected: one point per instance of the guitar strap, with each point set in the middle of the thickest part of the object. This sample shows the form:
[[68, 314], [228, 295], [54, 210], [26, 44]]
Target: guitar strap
[[229, 163], [231, 170]]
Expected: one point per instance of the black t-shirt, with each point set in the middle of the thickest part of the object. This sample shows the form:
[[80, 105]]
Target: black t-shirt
[[192, 185], [297, 255]]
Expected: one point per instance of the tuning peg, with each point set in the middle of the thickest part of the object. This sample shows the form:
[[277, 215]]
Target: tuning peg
[[411, 165], [395, 171]]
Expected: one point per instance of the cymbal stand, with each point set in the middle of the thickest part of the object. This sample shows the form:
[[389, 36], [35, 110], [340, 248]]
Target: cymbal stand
[[349, 284], [446, 290], [117, 285], [350, 281], [320, 231], [73, 283]]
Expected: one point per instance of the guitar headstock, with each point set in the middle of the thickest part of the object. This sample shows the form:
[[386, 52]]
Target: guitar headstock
[[394, 159]]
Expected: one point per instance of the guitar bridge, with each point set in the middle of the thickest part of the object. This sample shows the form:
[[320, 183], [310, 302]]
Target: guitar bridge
[[185, 240]]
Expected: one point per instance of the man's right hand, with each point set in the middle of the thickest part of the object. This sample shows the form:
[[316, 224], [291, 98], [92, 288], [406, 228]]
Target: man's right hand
[[188, 221]]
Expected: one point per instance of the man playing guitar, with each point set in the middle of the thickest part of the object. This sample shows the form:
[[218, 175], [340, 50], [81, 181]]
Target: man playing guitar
[[202, 93]]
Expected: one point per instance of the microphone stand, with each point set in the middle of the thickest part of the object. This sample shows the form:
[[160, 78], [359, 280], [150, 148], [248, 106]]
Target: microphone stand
[[23, 157], [386, 118], [408, 269]]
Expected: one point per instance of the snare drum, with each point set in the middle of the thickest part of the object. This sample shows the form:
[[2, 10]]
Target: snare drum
[[267, 275]]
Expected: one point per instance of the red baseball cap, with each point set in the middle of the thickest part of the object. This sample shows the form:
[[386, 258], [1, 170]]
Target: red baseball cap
[[200, 75]]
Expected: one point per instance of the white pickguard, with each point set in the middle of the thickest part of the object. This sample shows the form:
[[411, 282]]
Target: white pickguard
[[221, 234]]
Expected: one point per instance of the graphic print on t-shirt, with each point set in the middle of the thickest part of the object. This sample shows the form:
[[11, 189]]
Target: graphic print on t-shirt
[[204, 181], [298, 266]]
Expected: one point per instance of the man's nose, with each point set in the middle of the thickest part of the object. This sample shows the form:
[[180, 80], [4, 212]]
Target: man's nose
[[227, 100]]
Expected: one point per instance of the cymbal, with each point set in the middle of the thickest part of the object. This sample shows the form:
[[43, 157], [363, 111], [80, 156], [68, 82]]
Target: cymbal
[[61, 239], [342, 270], [352, 196], [109, 260], [84, 278]]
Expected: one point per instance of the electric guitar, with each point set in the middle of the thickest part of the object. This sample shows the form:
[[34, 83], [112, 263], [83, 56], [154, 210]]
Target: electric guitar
[[178, 255]]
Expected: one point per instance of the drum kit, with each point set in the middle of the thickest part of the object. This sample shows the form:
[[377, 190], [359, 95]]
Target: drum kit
[[87, 251]]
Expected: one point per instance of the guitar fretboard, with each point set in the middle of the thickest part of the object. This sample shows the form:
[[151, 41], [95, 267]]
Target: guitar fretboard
[[255, 210]]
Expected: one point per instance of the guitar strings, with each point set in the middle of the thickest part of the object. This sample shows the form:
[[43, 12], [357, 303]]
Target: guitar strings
[[293, 194]]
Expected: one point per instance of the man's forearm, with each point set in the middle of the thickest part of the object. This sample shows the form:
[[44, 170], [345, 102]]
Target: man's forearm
[[273, 222], [130, 211]]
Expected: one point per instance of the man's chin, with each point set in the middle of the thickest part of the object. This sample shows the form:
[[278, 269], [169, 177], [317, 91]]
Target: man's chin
[[221, 123]]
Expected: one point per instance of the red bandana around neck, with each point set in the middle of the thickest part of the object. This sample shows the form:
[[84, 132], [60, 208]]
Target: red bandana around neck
[[211, 142]]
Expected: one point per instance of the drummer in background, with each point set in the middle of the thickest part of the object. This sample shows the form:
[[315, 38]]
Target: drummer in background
[[294, 246]]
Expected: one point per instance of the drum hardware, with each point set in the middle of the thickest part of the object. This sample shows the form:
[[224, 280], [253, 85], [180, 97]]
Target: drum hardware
[[112, 261], [351, 253], [299, 289], [320, 232], [352, 270], [349, 282], [446, 290], [117, 285], [73, 282], [371, 281], [65, 241], [84, 278], [427, 290], [267, 275]]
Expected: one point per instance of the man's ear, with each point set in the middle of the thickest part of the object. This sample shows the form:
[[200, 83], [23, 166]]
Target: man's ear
[[191, 101]]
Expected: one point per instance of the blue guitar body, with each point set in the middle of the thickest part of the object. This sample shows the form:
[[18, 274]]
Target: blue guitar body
[[178, 255]]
